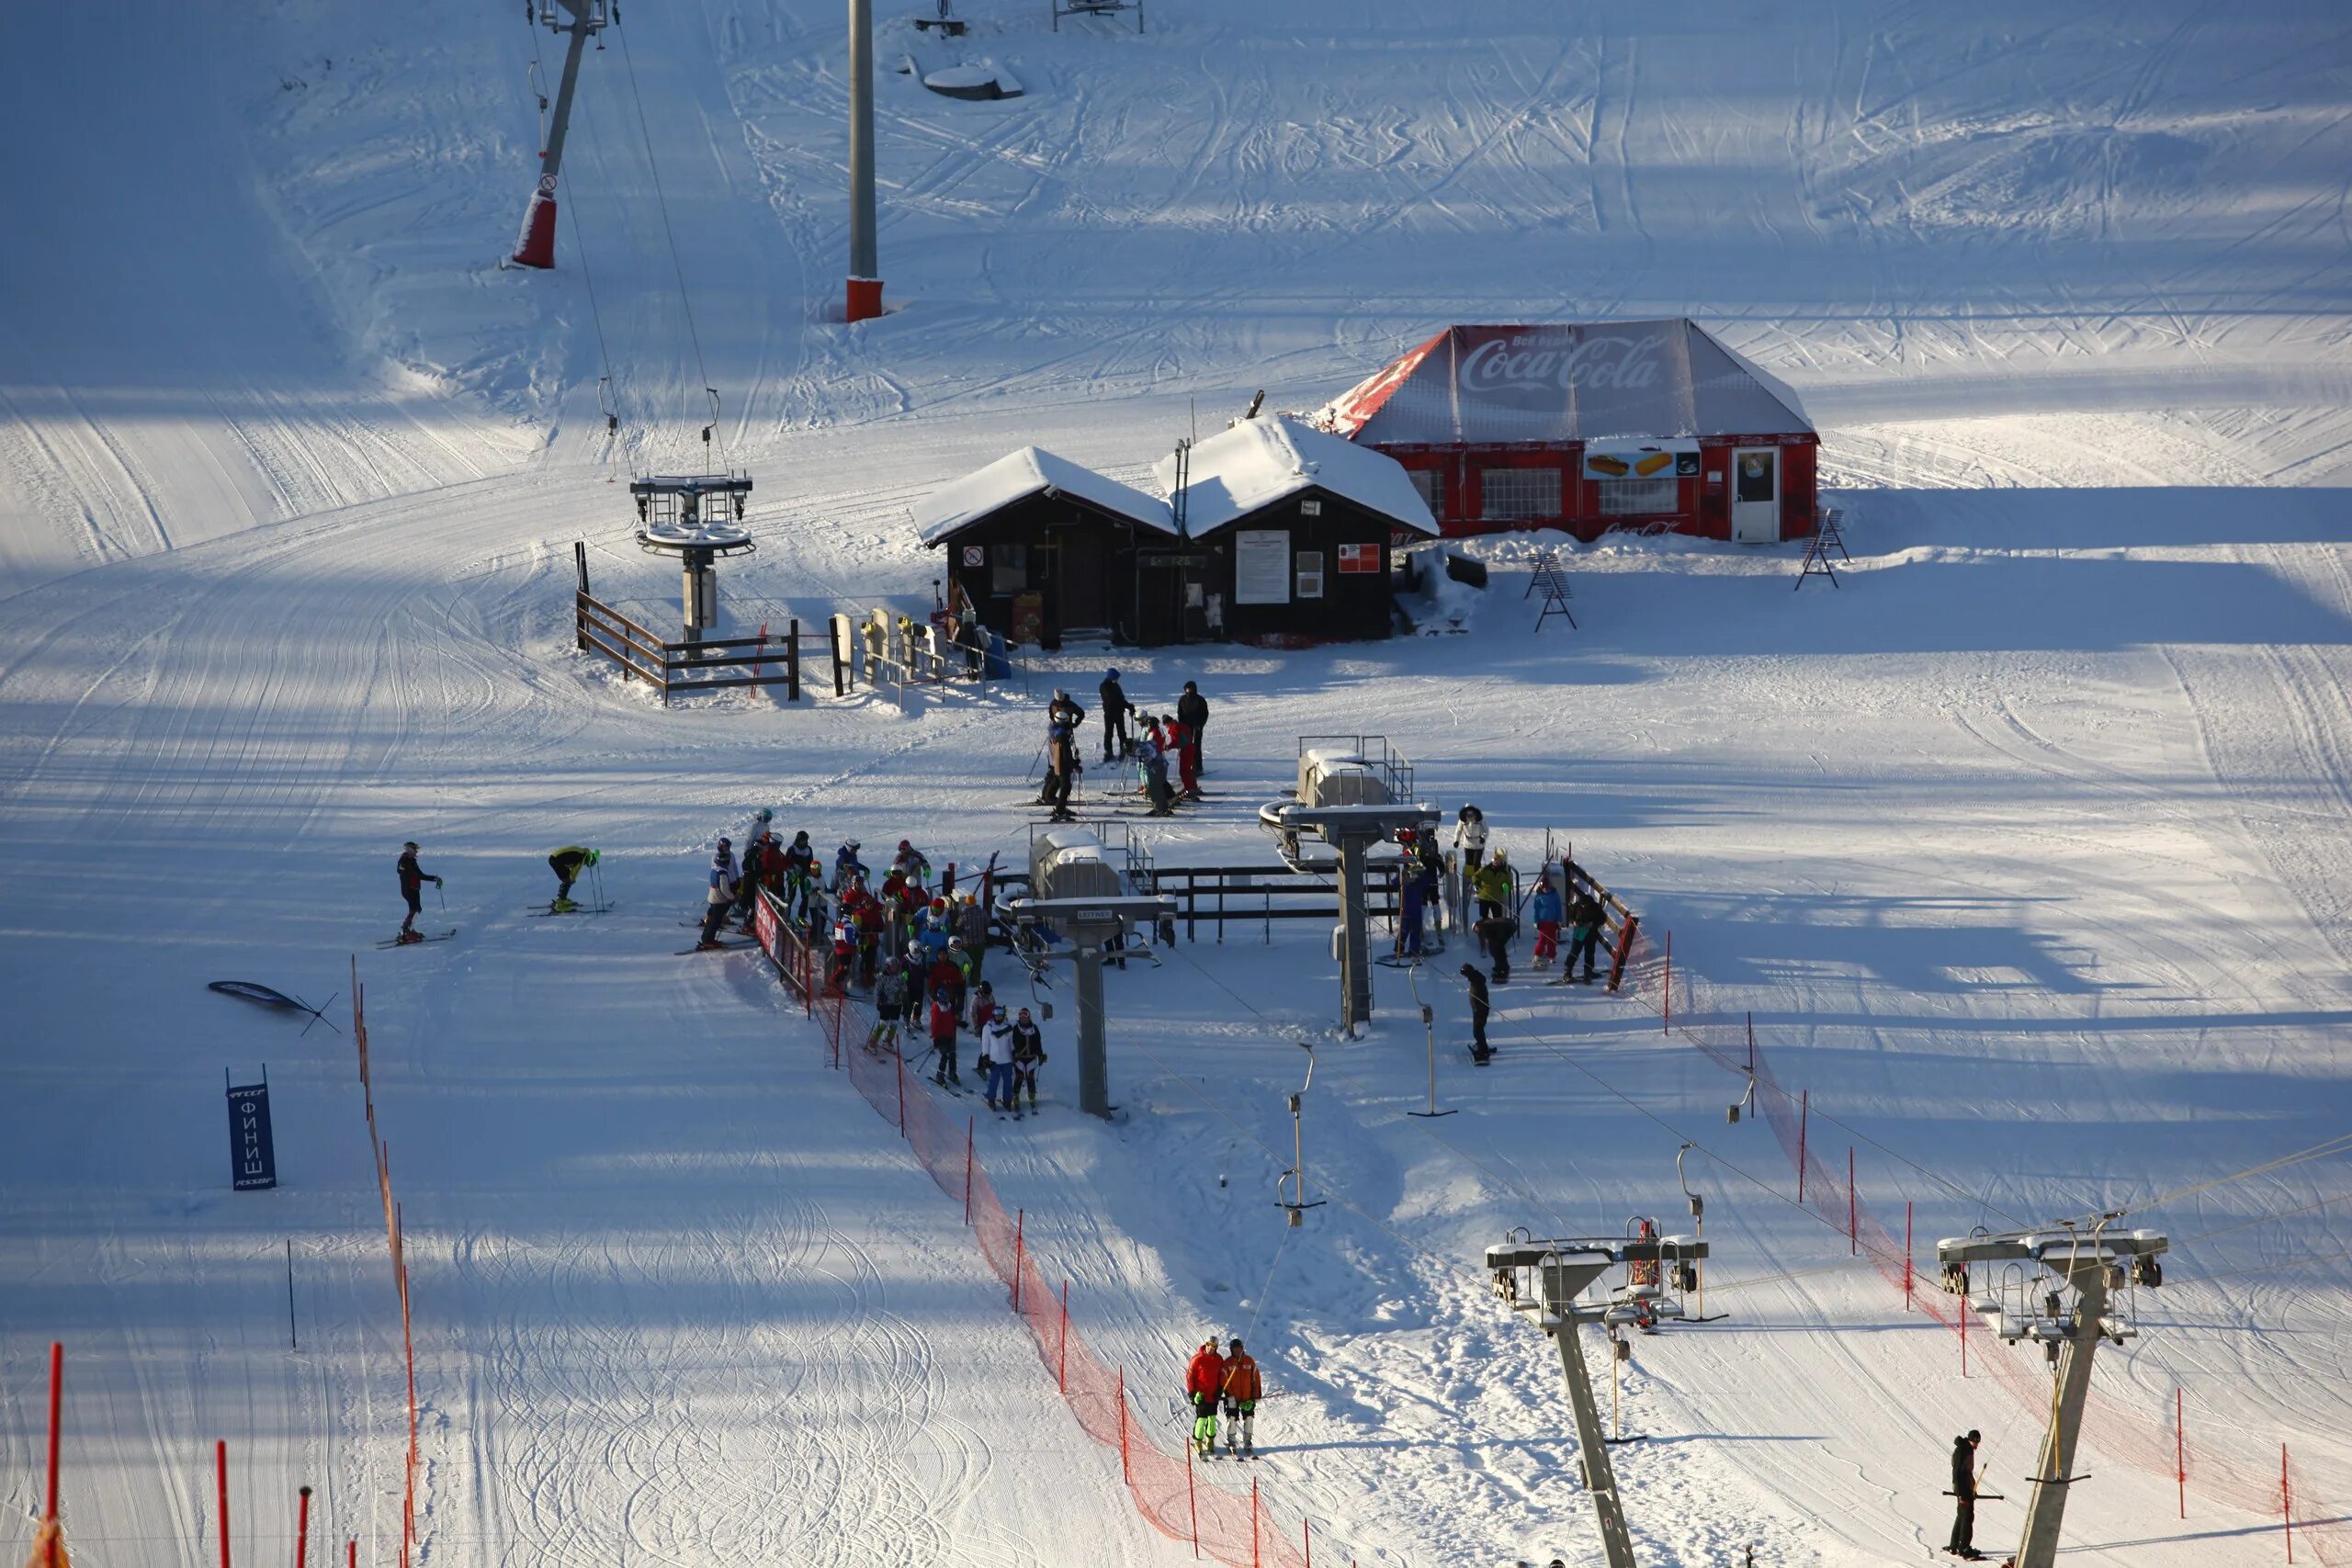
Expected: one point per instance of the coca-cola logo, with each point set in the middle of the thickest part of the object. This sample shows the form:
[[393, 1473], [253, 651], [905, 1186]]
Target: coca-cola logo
[[1542, 370]]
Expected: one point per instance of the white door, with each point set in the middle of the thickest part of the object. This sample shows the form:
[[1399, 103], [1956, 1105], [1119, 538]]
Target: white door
[[1756, 495]]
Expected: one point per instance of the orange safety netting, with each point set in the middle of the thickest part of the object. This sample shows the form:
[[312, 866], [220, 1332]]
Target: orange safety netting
[[2130, 1434], [1241, 1529]]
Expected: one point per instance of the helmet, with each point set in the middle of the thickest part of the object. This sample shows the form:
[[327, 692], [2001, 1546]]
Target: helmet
[[801, 837], [410, 846], [762, 815], [957, 943], [593, 857], [906, 846], [850, 844], [726, 843], [939, 903], [1236, 1342], [1110, 674]]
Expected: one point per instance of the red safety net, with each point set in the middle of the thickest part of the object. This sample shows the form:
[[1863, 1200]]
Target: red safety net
[[1239, 1528], [2123, 1430]]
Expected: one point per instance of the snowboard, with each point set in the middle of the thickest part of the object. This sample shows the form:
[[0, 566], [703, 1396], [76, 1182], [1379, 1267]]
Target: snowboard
[[429, 936]]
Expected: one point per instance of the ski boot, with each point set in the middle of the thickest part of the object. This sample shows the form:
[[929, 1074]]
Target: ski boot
[[561, 907], [407, 937]]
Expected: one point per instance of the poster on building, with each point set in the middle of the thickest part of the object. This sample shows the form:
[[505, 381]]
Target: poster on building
[[1666, 460], [1261, 567], [1358, 559]]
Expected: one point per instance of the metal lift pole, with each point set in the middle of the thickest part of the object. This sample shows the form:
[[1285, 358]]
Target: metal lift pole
[[865, 296], [2046, 1509], [1355, 961], [1094, 1054], [1091, 925], [536, 245], [1563, 1282]]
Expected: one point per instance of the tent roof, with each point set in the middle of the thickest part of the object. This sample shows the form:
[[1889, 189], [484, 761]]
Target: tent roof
[[1017, 475], [1259, 461], [1580, 381]]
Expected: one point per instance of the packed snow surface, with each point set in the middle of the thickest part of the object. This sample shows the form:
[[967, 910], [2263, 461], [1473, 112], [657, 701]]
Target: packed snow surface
[[2027, 849]]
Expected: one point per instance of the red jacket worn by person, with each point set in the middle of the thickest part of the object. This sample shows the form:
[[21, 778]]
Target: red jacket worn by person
[[1205, 1378]]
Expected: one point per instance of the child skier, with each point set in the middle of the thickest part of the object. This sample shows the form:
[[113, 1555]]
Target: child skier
[[1545, 909], [942, 1040], [889, 1006], [412, 880], [721, 896], [1203, 1385], [1028, 1056], [846, 865]]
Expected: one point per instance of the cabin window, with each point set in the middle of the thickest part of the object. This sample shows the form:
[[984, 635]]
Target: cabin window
[[1310, 574], [1508, 493], [1430, 485], [1008, 567], [1640, 498]]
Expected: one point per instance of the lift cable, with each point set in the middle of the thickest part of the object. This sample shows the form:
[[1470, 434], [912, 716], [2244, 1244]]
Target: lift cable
[[2340, 1144], [676, 264]]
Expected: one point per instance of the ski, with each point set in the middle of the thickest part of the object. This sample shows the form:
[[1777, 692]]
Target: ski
[[544, 912], [429, 936], [718, 947]]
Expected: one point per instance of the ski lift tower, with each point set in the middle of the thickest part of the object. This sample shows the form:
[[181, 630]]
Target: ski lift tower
[[2096, 1267], [698, 518], [534, 246], [1546, 1279], [1091, 925], [1353, 794]]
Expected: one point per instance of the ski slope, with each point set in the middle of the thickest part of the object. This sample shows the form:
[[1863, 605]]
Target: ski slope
[[2026, 849]]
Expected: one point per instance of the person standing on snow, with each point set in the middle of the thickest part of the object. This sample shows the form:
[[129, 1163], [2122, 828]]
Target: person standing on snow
[[985, 1011], [412, 880], [1411, 898], [721, 899], [1028, 1056], [1545, 908], [1115, 708], [1061, 771], [1497, 889], [912, 863], [944, 1041], [567, 863], [996, 1066], [1204, 1387], [1963, 1492], [1153, 755], [1470, 836], [1584, 934], [846, 865], [889, 1006], [1479, 1049], [1177, 741], [1192, 712], [1243, 1389]]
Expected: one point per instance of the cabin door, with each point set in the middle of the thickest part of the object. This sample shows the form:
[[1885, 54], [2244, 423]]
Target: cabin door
[[1756, 495]]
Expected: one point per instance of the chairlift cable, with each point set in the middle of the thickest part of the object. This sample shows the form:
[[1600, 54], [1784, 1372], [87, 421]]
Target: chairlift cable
[[2262, 1219], [2340, 1144], [662, 202]]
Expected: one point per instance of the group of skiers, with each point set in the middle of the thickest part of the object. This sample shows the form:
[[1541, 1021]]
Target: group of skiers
[[1153, 742], [1230, 1380]]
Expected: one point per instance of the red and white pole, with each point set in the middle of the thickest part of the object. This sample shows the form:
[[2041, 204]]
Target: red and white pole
[[535, 245], [221, 1470], [865, 296]]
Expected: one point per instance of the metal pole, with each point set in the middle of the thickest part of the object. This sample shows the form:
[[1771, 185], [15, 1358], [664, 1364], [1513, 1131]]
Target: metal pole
[[2046, 1509], [865, 296], [1592, 1448], [1093, 1058], [1020, 1248], [1906, 1260], [1355, 966], [534, 246], [1061, 1346]]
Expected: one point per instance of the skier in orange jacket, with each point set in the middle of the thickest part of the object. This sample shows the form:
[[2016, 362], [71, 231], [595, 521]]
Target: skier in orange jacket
[[1243, 1389], [1204, 1384]]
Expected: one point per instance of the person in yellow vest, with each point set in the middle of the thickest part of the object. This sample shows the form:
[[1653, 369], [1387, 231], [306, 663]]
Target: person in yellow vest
[[567, 863]]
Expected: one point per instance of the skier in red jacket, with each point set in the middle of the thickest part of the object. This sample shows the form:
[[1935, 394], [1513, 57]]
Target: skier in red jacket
[[1205, 1385]]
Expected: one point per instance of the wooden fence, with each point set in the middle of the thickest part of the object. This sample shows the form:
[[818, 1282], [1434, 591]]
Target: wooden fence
[[679, 668]]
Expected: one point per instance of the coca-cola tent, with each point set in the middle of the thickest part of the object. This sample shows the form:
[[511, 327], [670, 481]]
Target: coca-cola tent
[[1590, 426]]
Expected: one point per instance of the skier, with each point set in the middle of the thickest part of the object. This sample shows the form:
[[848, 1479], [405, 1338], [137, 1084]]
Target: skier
[[1181, 744], [1192, 712], [844, 949], [985, 1011], [1028, 1056], [747, 884], [1412, 894], [1494, 935], [910, 863], [1470, 836], [889, 1006], [1115, 708], [1243, 1389], [412, 880], [972, 925], [1479, 1050], [567, 863], [870, 935], [722, 894], [1152, 752], [1584, 934], [1963, 1492], [1061, 771], [1494, 884], [1545, 909], [846, 864], [1203, 1385], [1064, 710], [996, 1066], [942, 1040]]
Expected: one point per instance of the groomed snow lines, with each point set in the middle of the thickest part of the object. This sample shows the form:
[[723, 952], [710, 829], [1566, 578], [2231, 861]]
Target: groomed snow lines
[[2157, 1445], [1174, 1496]]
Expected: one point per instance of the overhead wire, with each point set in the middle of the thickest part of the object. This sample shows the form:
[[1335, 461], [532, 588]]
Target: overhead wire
[[661, 200], [2340, 1144]]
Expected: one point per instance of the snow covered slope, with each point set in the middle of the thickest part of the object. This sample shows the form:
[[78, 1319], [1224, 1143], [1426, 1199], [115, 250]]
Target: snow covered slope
[[2027, 848]]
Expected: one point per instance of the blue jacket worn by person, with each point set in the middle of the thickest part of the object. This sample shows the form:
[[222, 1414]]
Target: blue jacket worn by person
[[1544, 906]]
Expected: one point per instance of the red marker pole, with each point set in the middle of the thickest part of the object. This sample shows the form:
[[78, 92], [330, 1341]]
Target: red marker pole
[[1061, 1346], [302, 1531], [56, 1412], [2287, 1501], [1907, 1257], [969, 1125], [1805, 1123], [1191, 1503], [1124, 1474], [1020, 1249], [1665, 989], [2180, 1448], [221, 1468]]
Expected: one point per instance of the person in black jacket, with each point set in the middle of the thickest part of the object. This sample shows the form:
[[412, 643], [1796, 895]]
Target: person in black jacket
[[1963, 1492], [1479, 1049], [412, 880], [1192, 712], [1115, 708]]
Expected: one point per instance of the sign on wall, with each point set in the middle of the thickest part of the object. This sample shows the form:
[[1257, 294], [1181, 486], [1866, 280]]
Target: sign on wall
[[1261, 567], [976, 555], [1356, 559], [253, 1157], [1666, 460]]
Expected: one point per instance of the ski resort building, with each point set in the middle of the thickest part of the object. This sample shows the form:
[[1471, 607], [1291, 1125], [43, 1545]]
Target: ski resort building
[[1588, 427], [1280, 534]]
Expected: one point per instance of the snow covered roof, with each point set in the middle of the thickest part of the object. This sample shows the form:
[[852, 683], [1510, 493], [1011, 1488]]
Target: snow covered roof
[[1259, 461], [1017, 475], [1563, 382]]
